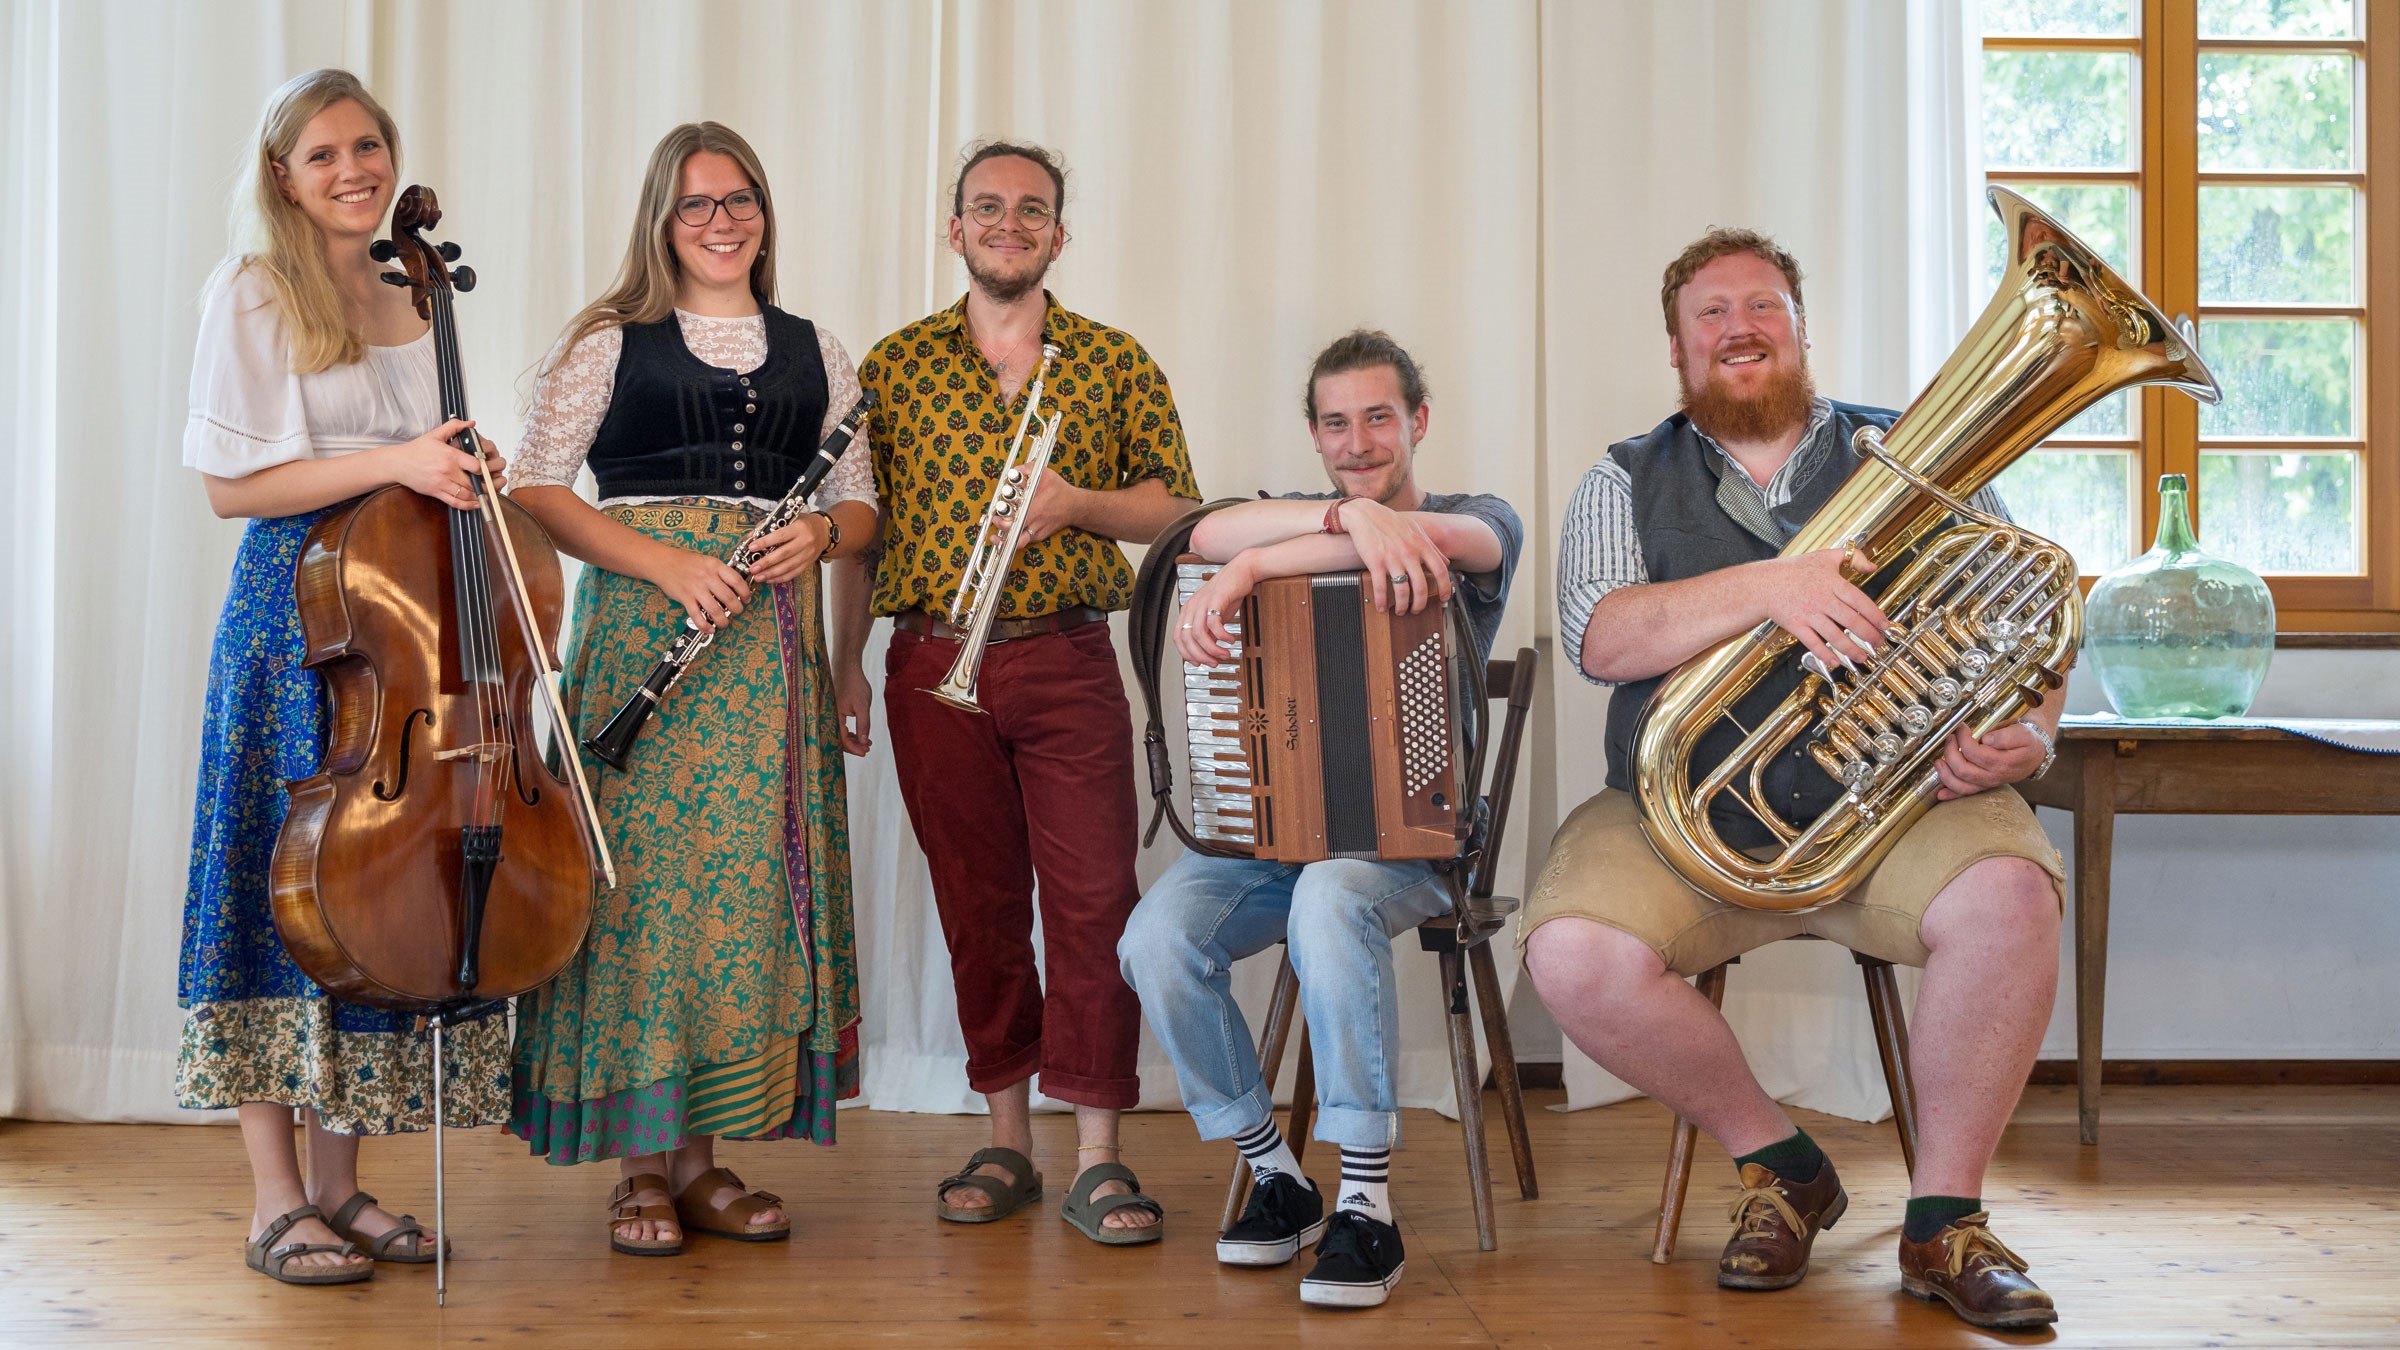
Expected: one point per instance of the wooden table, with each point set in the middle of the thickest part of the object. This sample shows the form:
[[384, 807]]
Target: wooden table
[[2109, 766]]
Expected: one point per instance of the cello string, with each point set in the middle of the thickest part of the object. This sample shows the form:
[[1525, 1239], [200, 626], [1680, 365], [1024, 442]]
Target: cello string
[[477, 628]]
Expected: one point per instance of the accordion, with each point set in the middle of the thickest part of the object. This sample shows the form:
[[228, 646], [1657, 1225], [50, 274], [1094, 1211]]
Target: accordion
[[1336, 731]]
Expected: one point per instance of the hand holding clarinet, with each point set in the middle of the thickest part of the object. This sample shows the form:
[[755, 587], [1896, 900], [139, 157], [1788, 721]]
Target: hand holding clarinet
[[613, 743]]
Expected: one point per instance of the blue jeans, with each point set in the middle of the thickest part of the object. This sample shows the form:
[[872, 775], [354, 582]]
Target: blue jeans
[[1338, 919]]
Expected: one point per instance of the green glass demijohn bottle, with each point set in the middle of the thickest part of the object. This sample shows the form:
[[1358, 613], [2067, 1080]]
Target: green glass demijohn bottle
[[2177, 632]]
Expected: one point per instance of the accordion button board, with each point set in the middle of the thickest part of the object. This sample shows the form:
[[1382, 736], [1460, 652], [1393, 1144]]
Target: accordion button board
[[1334, 732]]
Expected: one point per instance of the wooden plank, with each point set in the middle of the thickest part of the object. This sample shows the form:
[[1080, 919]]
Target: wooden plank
[[2227, 1072], [2261, 1216]]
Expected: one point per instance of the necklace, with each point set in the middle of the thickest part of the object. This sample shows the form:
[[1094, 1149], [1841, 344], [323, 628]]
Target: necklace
[[1000, 363]]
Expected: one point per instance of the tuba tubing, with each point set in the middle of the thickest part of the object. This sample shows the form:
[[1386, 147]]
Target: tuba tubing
[[1986, 615]]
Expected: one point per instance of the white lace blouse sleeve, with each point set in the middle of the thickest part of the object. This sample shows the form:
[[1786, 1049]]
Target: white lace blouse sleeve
[[568, 406], [853, 475], [246, 410]]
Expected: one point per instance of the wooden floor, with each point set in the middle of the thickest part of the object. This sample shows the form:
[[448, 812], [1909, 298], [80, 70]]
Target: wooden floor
[[2208, 1216]]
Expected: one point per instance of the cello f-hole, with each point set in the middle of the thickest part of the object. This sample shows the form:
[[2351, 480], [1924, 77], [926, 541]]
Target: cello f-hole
[[526, 793], [392, 793]]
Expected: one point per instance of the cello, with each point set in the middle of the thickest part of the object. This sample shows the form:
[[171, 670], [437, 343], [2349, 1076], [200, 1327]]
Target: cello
[[436, 863]]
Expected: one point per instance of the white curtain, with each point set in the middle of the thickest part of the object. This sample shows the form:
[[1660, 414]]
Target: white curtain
[[1839, 127], [1248, 180]]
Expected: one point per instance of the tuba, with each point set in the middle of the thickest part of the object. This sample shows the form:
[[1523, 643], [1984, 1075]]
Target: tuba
[[1985, 616]]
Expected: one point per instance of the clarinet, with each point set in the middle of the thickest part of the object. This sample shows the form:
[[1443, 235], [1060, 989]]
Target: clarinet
[[613, 743]]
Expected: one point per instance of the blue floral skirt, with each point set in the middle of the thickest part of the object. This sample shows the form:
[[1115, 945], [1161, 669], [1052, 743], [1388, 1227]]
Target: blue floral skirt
[[256, 1029]]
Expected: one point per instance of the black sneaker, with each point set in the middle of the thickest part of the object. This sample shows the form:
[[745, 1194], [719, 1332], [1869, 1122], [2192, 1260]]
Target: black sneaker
[[1285, 1213], [1358, 1262]]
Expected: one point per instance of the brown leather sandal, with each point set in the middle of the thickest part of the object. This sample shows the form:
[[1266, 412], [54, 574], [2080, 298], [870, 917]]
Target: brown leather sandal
[[621, 1209], [733, 1220], [418, 1252], [264, 1256]]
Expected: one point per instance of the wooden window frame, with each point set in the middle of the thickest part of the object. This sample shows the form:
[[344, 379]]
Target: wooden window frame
[[2165, 179]]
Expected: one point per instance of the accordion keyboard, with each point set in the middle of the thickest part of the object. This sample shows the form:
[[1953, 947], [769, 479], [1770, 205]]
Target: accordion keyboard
[[1221, 771]]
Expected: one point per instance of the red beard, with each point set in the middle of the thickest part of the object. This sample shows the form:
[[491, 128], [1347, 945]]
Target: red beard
[[1779, 409]]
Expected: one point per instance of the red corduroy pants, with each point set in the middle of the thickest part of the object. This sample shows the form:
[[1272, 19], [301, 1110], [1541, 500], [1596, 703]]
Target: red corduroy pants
[[1038, 787]]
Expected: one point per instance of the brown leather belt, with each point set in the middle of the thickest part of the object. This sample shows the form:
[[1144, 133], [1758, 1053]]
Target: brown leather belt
[[1003, 630]]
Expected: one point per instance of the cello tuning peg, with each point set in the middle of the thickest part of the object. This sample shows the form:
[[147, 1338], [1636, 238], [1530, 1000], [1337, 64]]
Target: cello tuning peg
[[383, 250], [396, 279], [449, 252], [463, 278]]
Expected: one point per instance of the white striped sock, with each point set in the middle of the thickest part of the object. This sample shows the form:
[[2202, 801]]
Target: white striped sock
[[1367, 1182], [1267, 1151]]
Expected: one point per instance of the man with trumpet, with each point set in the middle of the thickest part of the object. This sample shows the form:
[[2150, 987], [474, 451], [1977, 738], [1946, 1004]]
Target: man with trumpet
[[1672, 544], [1037, 783]]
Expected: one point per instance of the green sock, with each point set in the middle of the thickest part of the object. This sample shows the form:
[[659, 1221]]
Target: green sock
[[1930, 1214], [1793, 1159]]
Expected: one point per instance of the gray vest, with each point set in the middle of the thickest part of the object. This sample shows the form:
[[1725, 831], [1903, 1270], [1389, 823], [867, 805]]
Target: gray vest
[[1685, 533]]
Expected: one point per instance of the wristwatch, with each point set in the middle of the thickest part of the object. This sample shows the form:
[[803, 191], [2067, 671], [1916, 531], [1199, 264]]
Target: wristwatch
[[833, 532], [2049, 746]]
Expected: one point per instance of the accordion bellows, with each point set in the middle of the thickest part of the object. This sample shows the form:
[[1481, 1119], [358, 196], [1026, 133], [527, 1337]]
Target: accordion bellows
[[1334, 732]]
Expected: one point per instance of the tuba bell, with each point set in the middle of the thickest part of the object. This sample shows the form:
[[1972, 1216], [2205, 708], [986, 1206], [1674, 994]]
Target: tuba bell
[[1985, 615]]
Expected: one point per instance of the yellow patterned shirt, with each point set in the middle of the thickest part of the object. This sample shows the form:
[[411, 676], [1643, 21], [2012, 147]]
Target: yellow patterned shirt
[[941, 434]]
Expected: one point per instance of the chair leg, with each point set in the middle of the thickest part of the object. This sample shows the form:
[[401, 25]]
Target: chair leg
[[1304, 1096], [1281, 1010], [1891, 1041], [1470, 1093], [1504, 1065], [1679, 1151]]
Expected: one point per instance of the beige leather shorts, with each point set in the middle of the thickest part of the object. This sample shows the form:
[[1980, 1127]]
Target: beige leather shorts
[[1602, 868]]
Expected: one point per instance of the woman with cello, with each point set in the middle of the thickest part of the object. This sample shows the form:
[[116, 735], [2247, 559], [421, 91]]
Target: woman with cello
[[717, 994], [313, 383]]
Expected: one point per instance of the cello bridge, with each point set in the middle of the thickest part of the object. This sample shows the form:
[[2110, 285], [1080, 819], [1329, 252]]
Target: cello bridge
[[486, 751]]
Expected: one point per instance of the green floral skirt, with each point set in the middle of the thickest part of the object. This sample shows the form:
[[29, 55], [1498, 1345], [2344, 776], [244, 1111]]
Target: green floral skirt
[[718, 991]]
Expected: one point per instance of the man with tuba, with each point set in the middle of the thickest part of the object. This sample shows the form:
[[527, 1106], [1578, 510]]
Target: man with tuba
[[1038, 784], [1672, 544], [1367, 412]]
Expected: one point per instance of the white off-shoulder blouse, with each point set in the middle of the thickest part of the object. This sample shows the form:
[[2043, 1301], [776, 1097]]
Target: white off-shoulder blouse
[[250, 412], [572, 400]]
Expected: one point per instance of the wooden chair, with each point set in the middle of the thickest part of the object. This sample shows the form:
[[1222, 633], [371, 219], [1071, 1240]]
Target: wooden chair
[[1891, 1041], [1461, 939]]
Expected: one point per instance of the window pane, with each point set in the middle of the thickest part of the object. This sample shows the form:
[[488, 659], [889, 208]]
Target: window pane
[[2279, 513], [2081, 498], [2058, 18], [2109, 417], [2056, 110], [2270, 110], [2279, 245], [2268, 18], [2101, 216], [2282, 377]]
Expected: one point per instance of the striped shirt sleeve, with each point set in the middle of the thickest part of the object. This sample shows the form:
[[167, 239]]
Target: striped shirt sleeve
[[1598, 551]]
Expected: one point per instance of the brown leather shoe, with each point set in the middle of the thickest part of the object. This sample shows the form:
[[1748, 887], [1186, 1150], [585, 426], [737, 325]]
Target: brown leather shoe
[[1775, 1221], [1984, 1282]]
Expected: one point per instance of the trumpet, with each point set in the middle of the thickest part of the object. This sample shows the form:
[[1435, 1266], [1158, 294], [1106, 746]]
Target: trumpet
[[613, 744], [985, 581]]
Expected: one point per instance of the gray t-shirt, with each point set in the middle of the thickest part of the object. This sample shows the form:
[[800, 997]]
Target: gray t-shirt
[[1484, 594]]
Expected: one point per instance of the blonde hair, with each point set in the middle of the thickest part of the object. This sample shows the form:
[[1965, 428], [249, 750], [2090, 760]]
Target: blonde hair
[[275, 236], [647, 283]]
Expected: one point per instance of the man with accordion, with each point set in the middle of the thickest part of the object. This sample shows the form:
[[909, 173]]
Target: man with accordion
[[1367, 412]]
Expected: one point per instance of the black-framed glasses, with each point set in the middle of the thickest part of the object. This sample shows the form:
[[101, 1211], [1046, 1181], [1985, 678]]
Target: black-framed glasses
[[1032, 217], [697, 210]]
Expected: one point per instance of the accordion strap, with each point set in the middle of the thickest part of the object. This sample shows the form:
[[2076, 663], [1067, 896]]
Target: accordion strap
[[1154, 609]]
